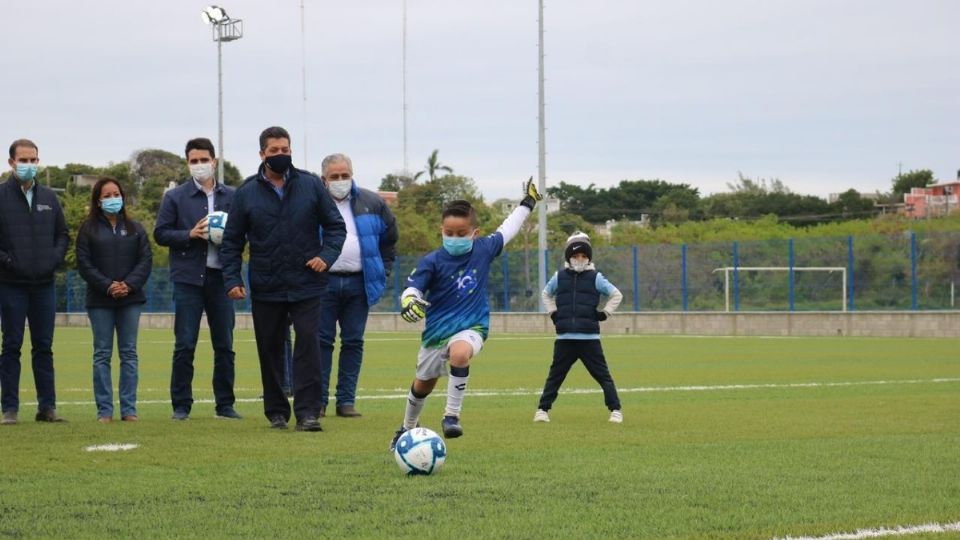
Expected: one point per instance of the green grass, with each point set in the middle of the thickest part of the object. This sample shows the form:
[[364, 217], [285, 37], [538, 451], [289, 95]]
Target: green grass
[[756, 462]]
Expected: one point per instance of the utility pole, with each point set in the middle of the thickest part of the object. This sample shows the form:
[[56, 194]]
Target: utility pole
[[542, 161], [303, 78], [403, 48]]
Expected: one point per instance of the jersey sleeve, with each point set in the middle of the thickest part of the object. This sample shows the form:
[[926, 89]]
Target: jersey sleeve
[[421, 276]]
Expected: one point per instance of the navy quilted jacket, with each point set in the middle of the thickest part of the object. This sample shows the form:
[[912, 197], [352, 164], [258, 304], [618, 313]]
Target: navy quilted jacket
[[282, 233], [33, 240]]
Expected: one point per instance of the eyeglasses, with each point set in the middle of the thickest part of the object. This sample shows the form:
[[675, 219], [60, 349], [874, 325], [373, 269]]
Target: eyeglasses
[[342, 176]]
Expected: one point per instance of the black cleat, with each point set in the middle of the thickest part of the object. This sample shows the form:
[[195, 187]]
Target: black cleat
[[396, 437], [278, 422], [309, 423], [451, 427]]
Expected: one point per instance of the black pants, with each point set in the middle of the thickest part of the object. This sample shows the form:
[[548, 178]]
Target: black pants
[[566, 352], [270, 329]]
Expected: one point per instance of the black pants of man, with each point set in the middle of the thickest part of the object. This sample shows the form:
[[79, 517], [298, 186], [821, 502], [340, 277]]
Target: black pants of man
[[566, 352], [270, 329]]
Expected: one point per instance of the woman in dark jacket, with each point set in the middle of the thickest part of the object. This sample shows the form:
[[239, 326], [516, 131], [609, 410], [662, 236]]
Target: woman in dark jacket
[[114, 258]]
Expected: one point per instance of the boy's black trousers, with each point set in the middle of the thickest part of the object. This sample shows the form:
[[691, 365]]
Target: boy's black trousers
[[566, 352]]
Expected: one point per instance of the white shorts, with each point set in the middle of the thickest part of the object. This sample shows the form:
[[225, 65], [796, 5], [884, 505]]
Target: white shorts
[[432, 361]]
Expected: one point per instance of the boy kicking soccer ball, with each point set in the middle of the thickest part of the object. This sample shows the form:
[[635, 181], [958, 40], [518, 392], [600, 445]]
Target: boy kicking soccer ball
[[572, 298], [452, 282]]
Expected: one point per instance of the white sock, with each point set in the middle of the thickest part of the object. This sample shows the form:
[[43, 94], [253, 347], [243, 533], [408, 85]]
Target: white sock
[[456, 388], [412, 412]]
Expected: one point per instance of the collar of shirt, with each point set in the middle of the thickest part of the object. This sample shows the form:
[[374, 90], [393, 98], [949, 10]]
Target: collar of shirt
[[199, 186]]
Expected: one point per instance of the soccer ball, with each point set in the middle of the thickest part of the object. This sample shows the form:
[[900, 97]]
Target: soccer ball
[[420, 451], [216, 223]]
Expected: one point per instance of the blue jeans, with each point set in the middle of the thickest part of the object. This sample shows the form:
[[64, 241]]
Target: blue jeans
[[190, 302], [126, 321], [36, 304], [343, 301]]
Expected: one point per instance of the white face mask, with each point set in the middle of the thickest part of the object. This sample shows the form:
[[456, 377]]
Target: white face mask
[[339, 188], [202, 171], [579, 266]]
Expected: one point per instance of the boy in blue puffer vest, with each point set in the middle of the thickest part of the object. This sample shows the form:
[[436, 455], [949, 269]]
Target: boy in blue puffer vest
[[572, 298]]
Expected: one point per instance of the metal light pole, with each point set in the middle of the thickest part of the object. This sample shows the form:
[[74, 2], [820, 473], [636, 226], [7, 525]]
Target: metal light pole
[[303, 78], [542, 164], [406, 168], [224, 29]]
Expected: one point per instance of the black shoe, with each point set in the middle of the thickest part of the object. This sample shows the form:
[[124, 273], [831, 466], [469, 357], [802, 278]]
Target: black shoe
[[309, 423], [451, 427], [180, 414], [396, 437], [278, 422], [228, 413], [348, 411], [49, 415]]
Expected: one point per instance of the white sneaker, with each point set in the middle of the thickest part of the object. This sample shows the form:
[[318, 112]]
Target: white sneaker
[[616, 417], [541, 416]]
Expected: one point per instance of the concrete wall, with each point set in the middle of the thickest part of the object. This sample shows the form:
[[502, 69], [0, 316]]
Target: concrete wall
[[824, 323]]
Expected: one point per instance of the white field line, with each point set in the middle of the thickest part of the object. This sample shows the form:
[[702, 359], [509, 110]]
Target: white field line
[[112, 447], [402, 394], [409, 336], [884, 532]]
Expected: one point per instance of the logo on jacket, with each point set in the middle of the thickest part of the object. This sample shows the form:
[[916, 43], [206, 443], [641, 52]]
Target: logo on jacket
[[466, 282], [42, 207]]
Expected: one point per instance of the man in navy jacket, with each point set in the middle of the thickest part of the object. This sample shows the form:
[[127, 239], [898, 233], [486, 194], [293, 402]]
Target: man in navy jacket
[[196, 271], [357, 280], [33, 243], [279, 211]]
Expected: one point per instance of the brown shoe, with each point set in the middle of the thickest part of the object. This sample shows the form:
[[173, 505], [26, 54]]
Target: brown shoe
[[49, 415], [105, 419], [130, 418], [323, 411], [348, 411], [9, 418]]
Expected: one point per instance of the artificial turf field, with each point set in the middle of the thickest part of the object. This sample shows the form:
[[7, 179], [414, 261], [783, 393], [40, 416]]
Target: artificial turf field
[[722, 438]]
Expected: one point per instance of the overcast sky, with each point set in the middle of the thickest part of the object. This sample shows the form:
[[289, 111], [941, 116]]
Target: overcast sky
[[823, 94]]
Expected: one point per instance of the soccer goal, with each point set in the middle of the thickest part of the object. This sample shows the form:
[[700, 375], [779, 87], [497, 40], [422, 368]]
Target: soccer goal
[[727, 270]]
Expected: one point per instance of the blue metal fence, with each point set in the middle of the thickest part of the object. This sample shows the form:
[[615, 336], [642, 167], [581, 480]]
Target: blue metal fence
[[900, 272]]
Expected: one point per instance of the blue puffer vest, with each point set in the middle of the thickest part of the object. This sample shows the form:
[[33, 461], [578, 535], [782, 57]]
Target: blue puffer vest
[[577, 300]]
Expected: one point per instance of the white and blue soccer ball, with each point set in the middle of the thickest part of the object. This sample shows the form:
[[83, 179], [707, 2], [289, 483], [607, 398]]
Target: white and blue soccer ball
[[216, 223], [420, 451]]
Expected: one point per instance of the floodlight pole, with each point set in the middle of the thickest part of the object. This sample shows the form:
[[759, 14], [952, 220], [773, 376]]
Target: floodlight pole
[[542, 164], [219, 104], [224, 29]]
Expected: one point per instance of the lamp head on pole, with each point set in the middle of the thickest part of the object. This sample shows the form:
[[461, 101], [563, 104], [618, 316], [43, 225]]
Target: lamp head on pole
[[214, 15]]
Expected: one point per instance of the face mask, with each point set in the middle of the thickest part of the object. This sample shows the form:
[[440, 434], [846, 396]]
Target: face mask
[[579, 266], [339, 188], [112, 205], [279, 163], [457, 245], [202, 171], [26, 172]]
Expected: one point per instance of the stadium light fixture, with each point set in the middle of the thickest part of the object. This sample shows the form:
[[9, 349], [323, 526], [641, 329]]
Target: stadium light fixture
[[223, 29]]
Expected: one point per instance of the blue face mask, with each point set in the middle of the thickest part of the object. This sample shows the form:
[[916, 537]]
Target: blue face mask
[[112, 205], [457, 245], [26, 172]]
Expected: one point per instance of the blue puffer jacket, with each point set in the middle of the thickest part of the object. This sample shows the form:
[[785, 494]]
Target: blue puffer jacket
[[283, 236], [377, 232]]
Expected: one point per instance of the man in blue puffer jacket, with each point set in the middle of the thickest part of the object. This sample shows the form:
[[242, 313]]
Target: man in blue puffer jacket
[[357, 279], [279, 211]]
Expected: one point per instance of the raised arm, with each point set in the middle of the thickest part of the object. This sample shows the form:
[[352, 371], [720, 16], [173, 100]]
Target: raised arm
[[511, 226]]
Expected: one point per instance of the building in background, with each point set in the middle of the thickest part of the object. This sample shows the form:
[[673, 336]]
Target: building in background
[[932, 201]]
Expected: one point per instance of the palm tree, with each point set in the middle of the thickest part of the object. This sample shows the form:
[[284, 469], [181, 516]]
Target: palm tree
[[433, 166]]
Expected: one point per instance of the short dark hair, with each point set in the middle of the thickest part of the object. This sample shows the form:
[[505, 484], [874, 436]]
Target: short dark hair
[[460, 208], [22, 143], [273, 132], [200, 143]]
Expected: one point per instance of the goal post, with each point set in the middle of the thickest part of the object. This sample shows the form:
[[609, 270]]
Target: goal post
[[728, 269]]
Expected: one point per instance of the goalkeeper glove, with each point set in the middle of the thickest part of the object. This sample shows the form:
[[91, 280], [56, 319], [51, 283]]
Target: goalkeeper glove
[[530, 195], [413, 308]]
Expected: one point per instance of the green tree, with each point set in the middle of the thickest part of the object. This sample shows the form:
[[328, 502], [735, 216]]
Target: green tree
[[903, 183], [395, 182], [433, 167]]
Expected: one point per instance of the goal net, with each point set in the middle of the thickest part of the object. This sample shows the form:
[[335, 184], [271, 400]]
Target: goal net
[[735, 277]]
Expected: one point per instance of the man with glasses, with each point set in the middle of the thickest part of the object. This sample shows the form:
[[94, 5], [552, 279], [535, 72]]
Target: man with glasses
[[357, 279]]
